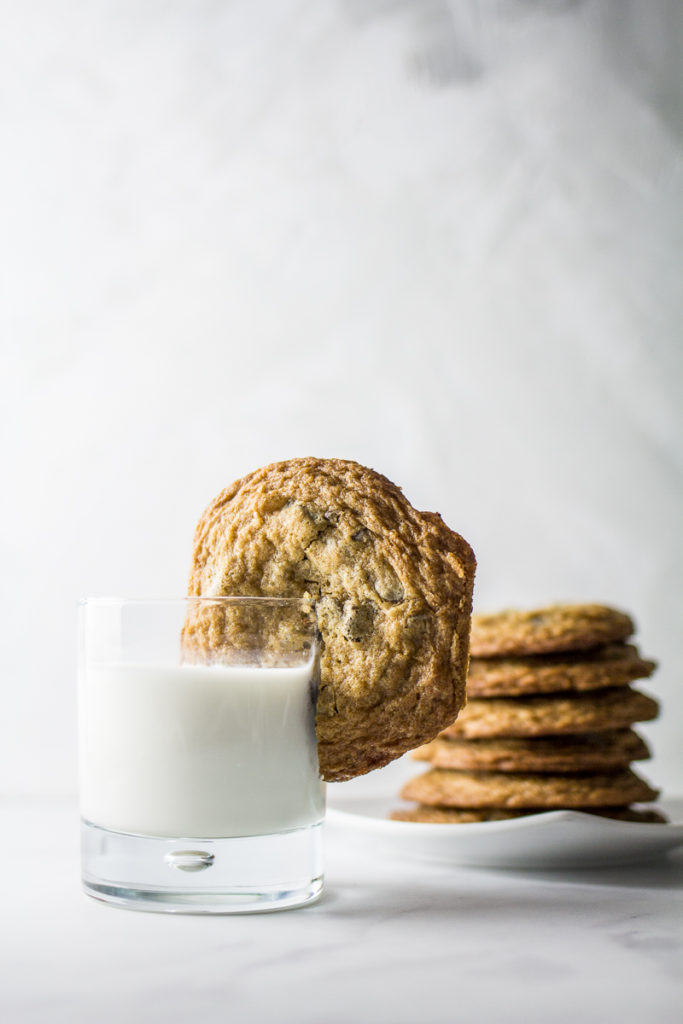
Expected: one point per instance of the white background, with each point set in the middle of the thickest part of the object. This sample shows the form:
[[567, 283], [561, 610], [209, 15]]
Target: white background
[[441, 238]]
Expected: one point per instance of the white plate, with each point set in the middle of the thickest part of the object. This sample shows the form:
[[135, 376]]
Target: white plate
[[555, 839]]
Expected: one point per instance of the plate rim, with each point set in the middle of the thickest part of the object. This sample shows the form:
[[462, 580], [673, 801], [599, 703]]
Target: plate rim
[[554, 815]]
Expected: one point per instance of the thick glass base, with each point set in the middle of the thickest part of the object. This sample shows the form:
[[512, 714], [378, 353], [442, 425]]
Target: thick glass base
[[248, 874]]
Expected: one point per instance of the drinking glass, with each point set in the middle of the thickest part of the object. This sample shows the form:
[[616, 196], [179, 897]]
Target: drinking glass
[[199, 782]]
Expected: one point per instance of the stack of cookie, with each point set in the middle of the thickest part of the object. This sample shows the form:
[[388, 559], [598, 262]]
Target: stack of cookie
[[548, 723]]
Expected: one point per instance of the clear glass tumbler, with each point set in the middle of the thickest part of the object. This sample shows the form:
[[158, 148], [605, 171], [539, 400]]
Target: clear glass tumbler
[[199, 783]]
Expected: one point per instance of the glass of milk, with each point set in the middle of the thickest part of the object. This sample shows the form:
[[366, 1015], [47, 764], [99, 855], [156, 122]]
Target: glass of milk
[[199, 783]]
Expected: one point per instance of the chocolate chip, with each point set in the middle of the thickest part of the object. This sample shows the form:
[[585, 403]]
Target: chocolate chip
[[388, 585], [358, 621], [362, 536]]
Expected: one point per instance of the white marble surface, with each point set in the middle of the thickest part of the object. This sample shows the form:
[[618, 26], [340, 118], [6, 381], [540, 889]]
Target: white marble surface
[[440, 237], [390, 942], [446, 246]]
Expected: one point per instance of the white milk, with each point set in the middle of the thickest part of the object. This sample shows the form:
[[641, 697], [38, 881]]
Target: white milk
[[198, 751]]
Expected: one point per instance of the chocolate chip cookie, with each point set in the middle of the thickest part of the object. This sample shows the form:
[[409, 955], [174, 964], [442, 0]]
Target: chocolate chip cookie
[[612, 708], [611, 665], [455, 816], [392, 589], [561, 627], [442, 787], [584, 752]]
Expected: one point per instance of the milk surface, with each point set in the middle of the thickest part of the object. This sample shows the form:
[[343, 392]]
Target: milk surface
[[198, 751]]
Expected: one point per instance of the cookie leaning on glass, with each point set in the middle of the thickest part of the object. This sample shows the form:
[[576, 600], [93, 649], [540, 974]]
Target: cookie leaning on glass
[[392, 588]]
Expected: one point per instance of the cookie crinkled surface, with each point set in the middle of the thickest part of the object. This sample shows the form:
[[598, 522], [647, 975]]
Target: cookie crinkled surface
[[392, 588]]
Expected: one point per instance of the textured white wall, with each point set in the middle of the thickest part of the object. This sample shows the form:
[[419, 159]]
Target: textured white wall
[[440, 238]]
